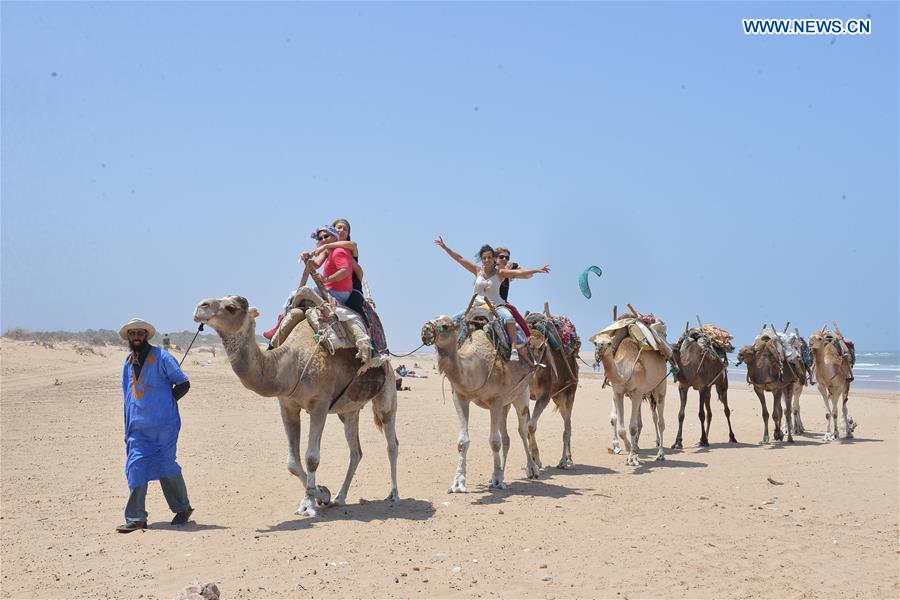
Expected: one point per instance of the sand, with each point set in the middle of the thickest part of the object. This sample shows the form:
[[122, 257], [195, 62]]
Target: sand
[[705, 523]]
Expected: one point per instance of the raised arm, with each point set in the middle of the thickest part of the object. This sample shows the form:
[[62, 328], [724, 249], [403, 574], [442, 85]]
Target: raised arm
[[522, 273], [468, 266]]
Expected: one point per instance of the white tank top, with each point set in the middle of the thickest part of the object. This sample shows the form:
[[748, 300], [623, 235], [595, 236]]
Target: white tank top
[[488, 288]]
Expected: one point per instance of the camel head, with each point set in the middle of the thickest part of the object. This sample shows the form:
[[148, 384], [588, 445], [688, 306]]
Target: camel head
[[440, 332], [746, 355], [228, 315], [817, 341], [602, 342]]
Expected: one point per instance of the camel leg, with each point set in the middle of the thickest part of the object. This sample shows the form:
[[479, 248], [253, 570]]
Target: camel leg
[[849, 424], [776, 414], [616, 447], [798, 423], [640, 423], [829, 435], [834, 398], [521, 405], [314, 494], [660, 418], [655, 416], [788, 428], [682, 392], [619, 415], [707, 401], [565, 409], [539, 406], [765, 413], [351, 432], [462, 444], [504, 438], [384, 407], [788, 408], [497, 414], [290, 418], [722, 393], [705, 394], [634, 429]]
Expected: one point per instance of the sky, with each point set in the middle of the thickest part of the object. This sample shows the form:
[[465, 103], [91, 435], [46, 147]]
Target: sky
[[156, 154]]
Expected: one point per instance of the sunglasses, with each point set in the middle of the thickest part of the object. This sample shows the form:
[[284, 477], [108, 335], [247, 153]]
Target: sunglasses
[[322, 238], [503, 256]]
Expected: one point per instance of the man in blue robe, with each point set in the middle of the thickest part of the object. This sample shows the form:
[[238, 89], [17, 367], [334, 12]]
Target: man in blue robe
[[152, 383]]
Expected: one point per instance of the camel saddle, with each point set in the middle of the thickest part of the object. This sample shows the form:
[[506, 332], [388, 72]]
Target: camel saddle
[[846, 348], [480, 317], [559, 331], [334, 326], [782, 340], [649, 337], [708, 336]]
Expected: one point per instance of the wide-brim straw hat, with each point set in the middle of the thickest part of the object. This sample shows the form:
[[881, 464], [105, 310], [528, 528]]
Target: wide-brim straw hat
[[137, 324]]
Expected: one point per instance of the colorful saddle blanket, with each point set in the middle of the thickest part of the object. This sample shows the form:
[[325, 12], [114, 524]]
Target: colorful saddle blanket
[[559, 331]]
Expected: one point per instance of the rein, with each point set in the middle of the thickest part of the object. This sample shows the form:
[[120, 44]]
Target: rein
[[199, 329]]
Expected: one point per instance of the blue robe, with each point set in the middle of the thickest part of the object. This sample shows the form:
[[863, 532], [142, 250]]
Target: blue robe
[[152, 422]]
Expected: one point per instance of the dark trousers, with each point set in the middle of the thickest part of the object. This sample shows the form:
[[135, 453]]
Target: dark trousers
[[174, 489], [356, 303]]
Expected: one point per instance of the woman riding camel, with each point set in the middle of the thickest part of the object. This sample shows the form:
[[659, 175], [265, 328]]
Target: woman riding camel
[[356, 300], [487, 287]]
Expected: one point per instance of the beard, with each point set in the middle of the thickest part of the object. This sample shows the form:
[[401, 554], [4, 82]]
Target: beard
[[139, 346]]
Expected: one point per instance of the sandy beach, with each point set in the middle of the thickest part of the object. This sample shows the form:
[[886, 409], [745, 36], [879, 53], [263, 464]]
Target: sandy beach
[[705, 523]]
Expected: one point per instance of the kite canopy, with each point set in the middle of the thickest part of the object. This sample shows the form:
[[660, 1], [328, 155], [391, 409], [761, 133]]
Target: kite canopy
[[583, 279]]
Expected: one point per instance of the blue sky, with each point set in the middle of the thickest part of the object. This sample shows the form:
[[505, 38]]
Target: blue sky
[[154, 154]]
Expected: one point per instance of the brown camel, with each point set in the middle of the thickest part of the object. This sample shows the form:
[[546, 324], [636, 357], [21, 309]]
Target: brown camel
[[556, 377], [769, 371], [833, 372], [305, 376], [700, 367], [477, 374], [792, 393], [638, 374]]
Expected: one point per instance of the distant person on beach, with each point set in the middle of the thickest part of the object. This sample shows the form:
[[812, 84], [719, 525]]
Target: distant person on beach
[[166, 342], [152, 382]]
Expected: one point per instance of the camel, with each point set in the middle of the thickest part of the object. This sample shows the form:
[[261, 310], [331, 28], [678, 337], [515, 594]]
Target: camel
[[478, 375], [638, 374], [792, 393], [303, 375], [700, 367], [556, 378], [833, 374], [768, 370]]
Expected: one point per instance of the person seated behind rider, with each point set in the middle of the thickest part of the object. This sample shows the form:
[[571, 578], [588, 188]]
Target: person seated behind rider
[[502, 253], [487, 286]]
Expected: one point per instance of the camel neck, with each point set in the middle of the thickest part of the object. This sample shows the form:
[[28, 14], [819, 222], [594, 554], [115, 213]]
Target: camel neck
[[610, 369], [256, 369]]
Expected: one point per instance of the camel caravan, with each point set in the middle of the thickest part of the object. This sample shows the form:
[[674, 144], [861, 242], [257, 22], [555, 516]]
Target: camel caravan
[[328, 355]]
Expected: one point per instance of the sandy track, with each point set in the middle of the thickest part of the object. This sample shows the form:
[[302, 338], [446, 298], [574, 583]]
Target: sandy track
[[705, 523]]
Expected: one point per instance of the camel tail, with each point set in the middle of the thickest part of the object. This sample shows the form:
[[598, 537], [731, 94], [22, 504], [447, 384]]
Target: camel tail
[[378, 422]]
